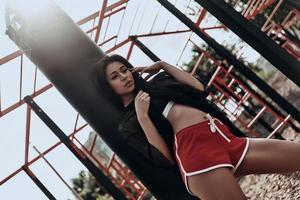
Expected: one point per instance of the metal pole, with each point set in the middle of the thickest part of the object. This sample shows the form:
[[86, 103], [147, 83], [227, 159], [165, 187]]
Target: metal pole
[[269, 91], [99, 175], [38, 183], [258, 40]]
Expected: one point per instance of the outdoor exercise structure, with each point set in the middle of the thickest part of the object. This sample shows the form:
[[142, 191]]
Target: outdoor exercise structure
[[66, 53]]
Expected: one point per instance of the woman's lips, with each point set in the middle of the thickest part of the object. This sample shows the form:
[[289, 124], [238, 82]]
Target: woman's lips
[[128, 83]]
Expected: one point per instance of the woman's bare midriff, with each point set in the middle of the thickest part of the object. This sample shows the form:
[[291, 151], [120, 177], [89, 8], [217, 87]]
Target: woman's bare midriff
[[181, 116]]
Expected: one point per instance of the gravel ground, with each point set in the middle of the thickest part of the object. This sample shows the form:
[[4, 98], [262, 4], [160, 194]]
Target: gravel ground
[[273, 186]]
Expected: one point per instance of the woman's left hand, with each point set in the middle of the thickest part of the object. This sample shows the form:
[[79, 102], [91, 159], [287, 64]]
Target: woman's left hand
[[148, 69]]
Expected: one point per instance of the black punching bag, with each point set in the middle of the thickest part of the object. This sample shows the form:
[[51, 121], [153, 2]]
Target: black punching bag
[[66, 56]]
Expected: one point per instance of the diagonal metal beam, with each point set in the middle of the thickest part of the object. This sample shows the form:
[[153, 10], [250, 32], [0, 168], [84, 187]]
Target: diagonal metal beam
[[97, 173], [38, 183], [269, 91], [257, 39]]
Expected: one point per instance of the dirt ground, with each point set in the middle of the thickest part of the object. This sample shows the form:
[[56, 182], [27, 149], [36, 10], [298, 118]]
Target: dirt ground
[[274, 186]]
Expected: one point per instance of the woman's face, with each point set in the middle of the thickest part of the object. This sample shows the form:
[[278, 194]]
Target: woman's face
[[120, 78]]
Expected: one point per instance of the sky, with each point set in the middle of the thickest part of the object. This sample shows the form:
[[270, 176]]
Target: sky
[[12, 125]]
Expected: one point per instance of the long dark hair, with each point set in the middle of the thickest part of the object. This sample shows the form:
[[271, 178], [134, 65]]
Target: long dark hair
[[102, 83], [166, 87], [170, 88]]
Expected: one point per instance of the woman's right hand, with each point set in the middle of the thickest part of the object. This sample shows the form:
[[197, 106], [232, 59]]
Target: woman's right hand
[[142, 102], [154, 68]]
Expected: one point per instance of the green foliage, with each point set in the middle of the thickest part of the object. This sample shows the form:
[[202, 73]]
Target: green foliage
[[279, 16], [261, 18], [86, 186], [207, 66]]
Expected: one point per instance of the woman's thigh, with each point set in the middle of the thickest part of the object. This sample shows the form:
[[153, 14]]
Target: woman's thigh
[[218, 183], [270, 156]]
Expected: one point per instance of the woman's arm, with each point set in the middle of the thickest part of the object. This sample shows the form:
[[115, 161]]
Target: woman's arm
[[136, 138], [154, 137], [182, 76]]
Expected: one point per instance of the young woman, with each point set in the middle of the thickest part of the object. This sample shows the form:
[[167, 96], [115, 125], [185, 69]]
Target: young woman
[[209, 155]]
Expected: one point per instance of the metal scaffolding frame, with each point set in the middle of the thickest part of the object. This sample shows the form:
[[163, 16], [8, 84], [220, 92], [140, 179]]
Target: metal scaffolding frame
[[222, 83]]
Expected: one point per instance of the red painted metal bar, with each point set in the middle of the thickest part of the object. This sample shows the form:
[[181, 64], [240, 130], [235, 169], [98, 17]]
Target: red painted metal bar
[[114, 12], [27, 143], [21, 77], [6, 59], [93, 143], [278, 127], [88, 18], [0, 101], [288, 45], [57, 173], [91, 33], [254, 7], [239, 83], [203, 13], [101, 15], [257, 98], [10, 57], [27, 133], [75, 125], [244, 125], [121, 170], [217, 62], [118, 45], [108, 40], [249, 3], [96, 14], [102, 167], [130, 50], [38, 183], [92, 30], [217, 79], [20, 103], [291, 18], [126, 170], [263, 6], [38, 157], [107, 25], [272, 13], [162, 33], [115, 5]]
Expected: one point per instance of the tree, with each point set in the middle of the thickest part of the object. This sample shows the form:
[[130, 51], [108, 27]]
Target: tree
[[278, 18], [207, 67], [86, 186]]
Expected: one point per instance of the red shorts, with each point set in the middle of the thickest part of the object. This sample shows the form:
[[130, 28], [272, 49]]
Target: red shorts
[[198, 149]]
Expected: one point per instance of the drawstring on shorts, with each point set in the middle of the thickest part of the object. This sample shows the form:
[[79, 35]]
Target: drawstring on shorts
[[214, 127]]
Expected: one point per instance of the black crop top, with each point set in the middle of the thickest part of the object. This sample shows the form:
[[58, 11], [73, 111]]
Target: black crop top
[[133, 133]]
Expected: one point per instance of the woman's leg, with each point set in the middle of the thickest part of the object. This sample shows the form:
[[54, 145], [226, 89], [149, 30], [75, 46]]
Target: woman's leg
[[270, 156], [216, 184]]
